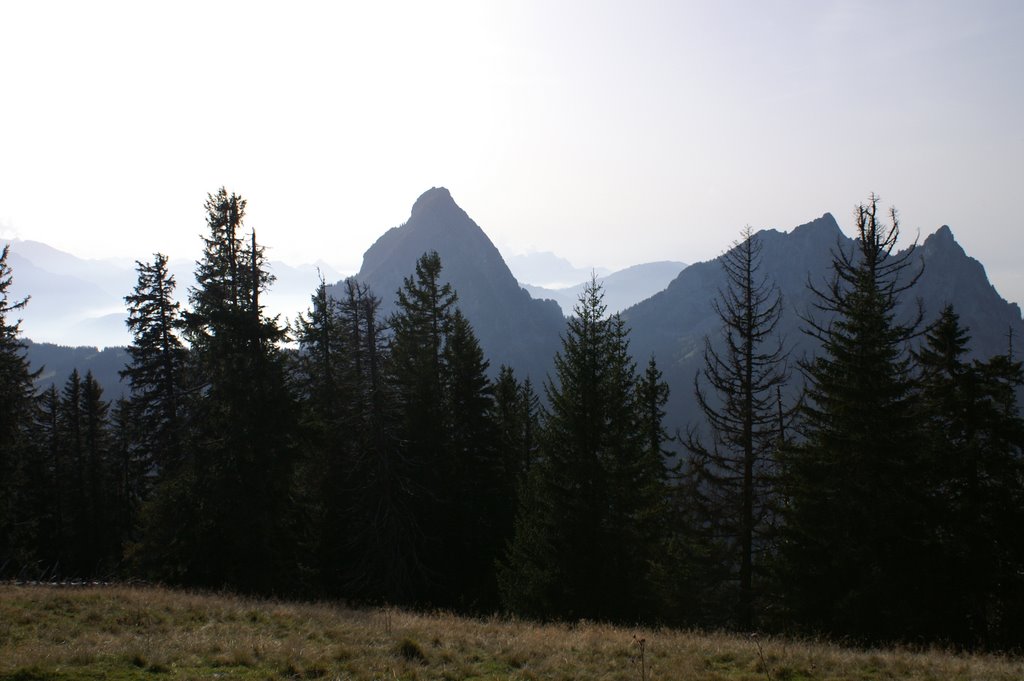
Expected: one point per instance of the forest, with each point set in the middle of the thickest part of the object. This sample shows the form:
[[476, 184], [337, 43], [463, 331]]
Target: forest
[[381, 460]]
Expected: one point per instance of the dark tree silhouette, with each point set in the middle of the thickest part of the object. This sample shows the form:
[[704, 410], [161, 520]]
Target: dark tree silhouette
[[156, 369], [738, 391], [586, 534], [975, 437], [220, 521], [854, 548]]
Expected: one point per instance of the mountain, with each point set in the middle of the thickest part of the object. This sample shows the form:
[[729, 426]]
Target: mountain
[[512, 327], [65, 292], [622, 289], [75, 302], [76, 305], [672, 324], [544, 269]]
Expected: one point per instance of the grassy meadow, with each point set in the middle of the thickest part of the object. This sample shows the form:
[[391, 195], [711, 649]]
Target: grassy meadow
[[75, 633]]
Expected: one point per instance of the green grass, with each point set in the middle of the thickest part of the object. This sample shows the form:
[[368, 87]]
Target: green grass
[[120, 633]]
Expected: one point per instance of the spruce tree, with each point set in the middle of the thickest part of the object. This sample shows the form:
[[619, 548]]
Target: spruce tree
[[102, 534], [583, 545], [16, 391], [220, 521], [855, 549], [156, 368], [975, 437], [324, 459], [418, 329], [737, 391], [382, 518], [49, 510], [444, 398], [479, 490]]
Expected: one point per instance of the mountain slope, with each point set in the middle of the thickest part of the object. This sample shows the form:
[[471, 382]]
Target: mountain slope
[[512, 327]]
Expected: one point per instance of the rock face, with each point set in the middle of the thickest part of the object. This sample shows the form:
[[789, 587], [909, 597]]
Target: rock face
[[672, 324], [512, 327]]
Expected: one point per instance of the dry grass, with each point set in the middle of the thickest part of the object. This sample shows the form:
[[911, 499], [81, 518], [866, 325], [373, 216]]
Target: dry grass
[[148, 633]]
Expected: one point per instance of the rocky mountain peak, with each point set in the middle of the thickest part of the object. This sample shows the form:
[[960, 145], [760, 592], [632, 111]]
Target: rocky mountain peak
[[823, 229], [435, 199], [942, 242], [512, 328]]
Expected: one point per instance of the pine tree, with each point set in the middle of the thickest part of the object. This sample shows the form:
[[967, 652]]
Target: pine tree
[[478, 484], [448, 439], [581, 547], [156, 368], [49, 508], [516, 414], [104, 541], [16, 390], [324, 460], [220, 520], [737, 392], [855, 548], [975, 441]]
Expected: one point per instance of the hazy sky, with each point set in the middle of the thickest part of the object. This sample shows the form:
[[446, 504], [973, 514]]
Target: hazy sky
[[611, 133]]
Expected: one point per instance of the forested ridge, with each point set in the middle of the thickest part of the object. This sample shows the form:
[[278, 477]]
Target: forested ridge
[[379, 462]]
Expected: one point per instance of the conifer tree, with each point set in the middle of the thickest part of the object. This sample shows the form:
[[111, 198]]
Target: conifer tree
[[382, 522], [323, 463], [221, 520], [449, 444], [854, 548], [104, 540], [974, 443], [48, 510], [737, 392], [419, 328], [156, 368], [581, 548], [479, 493], [16, 390], [516, 414], [130, 471], [73, 485], [347, 427]]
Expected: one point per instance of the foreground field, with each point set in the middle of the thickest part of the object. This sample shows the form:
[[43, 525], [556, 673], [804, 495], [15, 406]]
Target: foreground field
[[156, 634]]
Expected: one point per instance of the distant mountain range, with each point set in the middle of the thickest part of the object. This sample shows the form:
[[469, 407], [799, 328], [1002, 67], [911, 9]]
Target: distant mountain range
[[544, 269], [80, 302], [672, 324], [622, 289], [668, 305]]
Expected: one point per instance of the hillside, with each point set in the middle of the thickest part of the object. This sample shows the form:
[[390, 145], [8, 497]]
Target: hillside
[[74, 634]]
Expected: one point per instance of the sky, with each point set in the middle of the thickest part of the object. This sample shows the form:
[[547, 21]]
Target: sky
[[611, 133]]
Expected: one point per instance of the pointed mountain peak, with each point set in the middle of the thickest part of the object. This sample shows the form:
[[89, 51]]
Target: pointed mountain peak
[[818, 233], [944, 234], [825, 224], [943, 240], [512, 328], [433, 199]]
